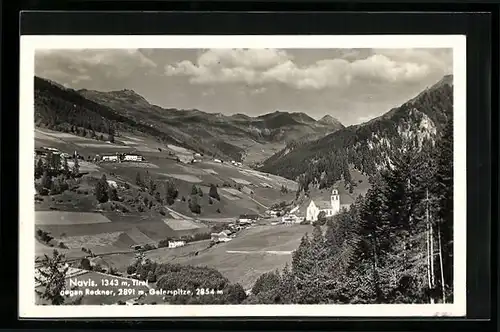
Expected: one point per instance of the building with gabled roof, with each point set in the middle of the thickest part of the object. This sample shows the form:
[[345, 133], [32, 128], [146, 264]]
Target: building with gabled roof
[[330, 208]]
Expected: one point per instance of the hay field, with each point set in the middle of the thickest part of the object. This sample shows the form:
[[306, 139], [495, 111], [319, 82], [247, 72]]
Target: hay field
[[270, 248], [179, 149], [183, 177], [232, 191], [210, 171], [90, 241], [230, 197], [241, 181], [181, 224], [69, 218]]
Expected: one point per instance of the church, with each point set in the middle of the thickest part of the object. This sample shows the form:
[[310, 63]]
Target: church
[[330, 208]]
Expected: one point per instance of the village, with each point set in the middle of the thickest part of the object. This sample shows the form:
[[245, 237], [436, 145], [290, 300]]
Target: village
[[223, 230]]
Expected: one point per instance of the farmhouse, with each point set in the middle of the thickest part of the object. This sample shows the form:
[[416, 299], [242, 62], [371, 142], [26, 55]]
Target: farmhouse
[[247, 218], [272, 213], [218, 160], [112, 184], [330, 208], [133, 157], [175, 244], [290, 219], [110, 158], [220, 237]]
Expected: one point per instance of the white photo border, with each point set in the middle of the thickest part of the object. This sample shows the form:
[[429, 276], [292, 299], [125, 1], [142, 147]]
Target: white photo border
[[28, 46]]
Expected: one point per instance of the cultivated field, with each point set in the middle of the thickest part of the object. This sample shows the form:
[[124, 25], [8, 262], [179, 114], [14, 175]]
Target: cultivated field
[[181, 224], [68, 218], [184, 177], [254, 251]]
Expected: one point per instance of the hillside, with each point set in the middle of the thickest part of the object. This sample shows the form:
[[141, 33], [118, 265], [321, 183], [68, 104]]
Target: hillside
[[213, 132], [369, 146]]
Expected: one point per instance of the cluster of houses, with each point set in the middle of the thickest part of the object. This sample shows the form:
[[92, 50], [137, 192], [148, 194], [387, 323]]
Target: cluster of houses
[[44, 152], [244, 221], [236, 163], [118, 157]]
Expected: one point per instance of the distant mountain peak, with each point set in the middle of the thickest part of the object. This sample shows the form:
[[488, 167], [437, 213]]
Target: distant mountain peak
[[330, 120], [446, 80]]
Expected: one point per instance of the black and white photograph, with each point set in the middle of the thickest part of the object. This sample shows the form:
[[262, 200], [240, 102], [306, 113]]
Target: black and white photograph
[[240, 176]]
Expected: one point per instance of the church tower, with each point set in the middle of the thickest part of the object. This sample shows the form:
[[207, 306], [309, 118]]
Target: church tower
[[335, 201]]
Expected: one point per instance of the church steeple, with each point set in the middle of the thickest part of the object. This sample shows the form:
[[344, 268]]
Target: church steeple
[[335, 201]]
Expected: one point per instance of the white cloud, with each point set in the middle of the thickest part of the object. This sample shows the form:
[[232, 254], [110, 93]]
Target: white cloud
[[71, 64], [257, 67]]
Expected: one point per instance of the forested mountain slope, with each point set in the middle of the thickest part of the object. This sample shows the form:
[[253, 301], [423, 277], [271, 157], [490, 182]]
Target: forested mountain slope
[[370, 146], [86, 112]]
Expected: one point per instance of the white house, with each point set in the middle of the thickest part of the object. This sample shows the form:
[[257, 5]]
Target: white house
[[247, 218], [218, 160], [132, 157], [330, 208], [175, 244], [112, 184], [109, 158], [220, 237], [290, 219]]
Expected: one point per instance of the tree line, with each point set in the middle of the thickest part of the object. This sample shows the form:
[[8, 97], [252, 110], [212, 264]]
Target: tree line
[[395, 245]]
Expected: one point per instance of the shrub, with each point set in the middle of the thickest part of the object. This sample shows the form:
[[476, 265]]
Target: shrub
[[62, 245], [172, 193], [194, 206], [151, 277], [194, 190], [149, 247], [131, 269], [113, 194], [213, 192], [85, 264]]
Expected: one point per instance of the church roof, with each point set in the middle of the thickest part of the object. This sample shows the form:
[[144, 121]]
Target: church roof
[[322, 205]]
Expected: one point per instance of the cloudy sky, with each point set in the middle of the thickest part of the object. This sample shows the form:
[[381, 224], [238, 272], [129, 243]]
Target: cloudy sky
[[352, 85]]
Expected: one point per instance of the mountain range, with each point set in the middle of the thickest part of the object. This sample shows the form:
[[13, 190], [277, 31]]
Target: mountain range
[[369, 146], [224, 136]]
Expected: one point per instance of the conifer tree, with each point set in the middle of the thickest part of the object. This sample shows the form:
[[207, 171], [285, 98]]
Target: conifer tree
[[52, 278], [443, 190], [213, 192], [138, 180], [194, 190], [76, 167], [101, 190], [39, 168], [66, 167], [46, 180]]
